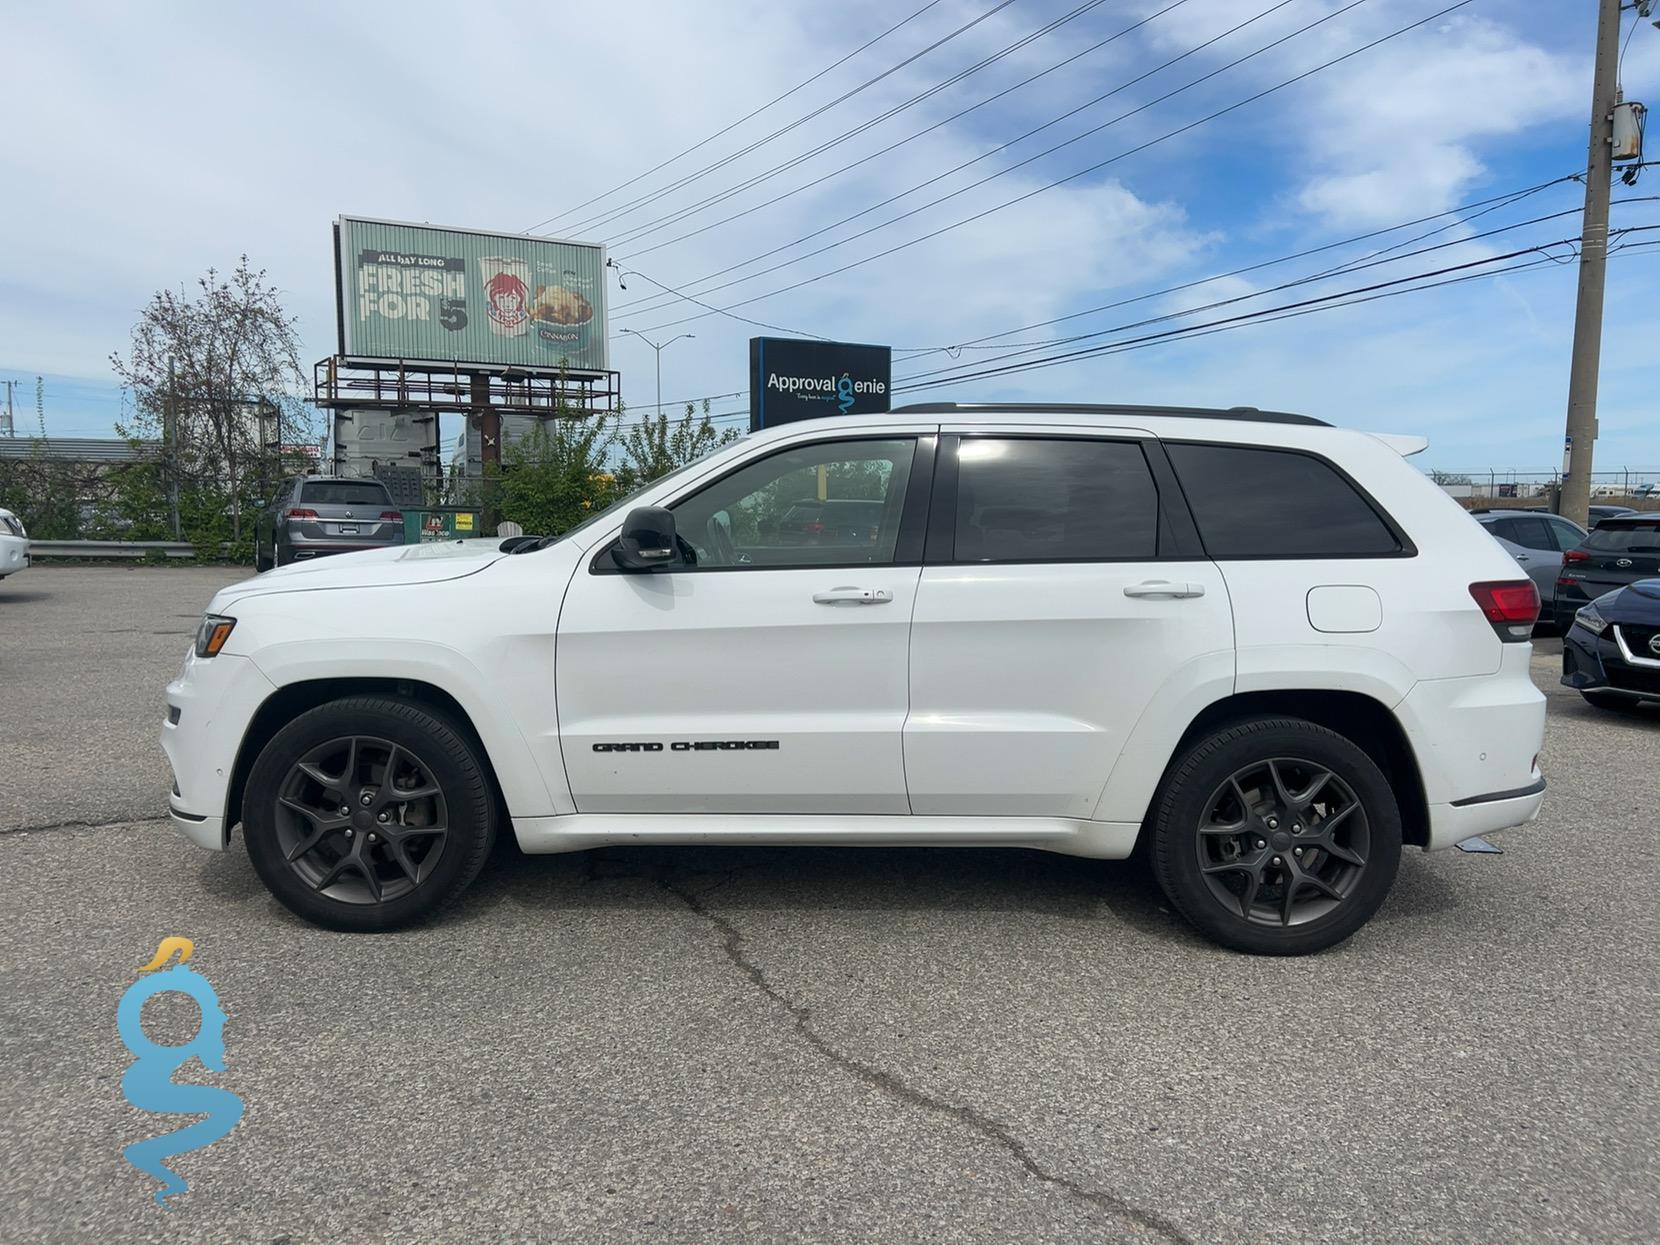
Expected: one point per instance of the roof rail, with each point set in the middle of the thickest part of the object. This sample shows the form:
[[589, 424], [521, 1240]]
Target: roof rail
[[1094, 408]]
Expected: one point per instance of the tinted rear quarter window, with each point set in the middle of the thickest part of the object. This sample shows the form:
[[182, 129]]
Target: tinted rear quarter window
[[1266, 503], [1055, 500], [345, 493]]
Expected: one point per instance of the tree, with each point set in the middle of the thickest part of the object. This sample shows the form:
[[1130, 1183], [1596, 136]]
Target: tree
[[655, 446], [557, 475], [1447, 477], [207, 370]]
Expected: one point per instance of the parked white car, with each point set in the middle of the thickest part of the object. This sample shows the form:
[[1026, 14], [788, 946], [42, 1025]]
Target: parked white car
[[14, 544], [1266, 648]]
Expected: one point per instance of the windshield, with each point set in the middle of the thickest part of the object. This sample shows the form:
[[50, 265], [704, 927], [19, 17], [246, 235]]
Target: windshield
[[624, 502], [1624, 538]]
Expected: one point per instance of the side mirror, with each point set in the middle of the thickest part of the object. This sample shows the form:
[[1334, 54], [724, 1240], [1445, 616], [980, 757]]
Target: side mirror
[[648, 540]]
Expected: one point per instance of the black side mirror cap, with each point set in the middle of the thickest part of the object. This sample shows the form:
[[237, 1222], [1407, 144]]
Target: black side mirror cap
[[648, 540]]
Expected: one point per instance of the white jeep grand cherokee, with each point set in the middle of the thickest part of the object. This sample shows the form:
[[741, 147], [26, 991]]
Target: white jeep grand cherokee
[[1268, 649]]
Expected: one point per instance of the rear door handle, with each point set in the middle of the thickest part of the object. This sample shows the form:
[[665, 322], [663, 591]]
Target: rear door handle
[[1165, 588], [853, 596]]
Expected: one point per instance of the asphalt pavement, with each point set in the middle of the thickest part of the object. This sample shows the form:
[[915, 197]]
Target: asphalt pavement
[[805, 1044]]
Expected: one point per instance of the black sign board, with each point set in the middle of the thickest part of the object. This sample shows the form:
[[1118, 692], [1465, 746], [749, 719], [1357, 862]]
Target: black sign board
[[791, 379]]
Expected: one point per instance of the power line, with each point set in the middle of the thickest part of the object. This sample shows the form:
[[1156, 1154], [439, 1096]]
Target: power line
[[1091, 168], [635, 233], [613, 214], [778, 99], [1123, 86], [1323, 301], [1358, 266]]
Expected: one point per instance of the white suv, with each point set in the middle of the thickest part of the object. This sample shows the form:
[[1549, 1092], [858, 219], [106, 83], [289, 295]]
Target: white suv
[[1267, 649]]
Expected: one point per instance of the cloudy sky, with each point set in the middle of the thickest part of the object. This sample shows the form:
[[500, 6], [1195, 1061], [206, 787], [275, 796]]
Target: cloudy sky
[[148, 143]]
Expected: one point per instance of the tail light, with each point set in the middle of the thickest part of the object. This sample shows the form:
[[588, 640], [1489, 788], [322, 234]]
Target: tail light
[[1575, 555], [1511, 605], [391, 516], [297, 513], [815, 529]]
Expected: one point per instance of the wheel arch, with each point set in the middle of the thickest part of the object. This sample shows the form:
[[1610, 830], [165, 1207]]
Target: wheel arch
[[1359, 718], [293, 699]]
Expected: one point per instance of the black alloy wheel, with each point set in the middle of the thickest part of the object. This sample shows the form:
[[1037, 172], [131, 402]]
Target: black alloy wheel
[[361, 820], [1276, 836], [368, 813], [1284, 840]]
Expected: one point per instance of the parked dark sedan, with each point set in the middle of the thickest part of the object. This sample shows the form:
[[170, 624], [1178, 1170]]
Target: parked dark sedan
[[1611, 655], [315, 515], [1616, 553]]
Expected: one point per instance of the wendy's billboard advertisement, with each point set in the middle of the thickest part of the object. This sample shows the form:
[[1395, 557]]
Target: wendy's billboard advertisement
[[428, 295]]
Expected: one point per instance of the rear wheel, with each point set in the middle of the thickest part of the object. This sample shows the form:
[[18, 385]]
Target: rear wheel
[[1277, 837], [261, 562], [368, 814]]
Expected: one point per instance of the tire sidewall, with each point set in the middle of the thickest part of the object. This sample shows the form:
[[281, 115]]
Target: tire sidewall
[[1206, 767], [452, 763]]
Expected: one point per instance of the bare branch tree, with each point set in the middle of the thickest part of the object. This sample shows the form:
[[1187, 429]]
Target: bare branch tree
[[203, 367]]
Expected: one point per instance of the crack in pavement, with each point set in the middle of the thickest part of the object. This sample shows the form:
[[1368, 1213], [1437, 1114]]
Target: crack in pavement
[[81, 824], [893, 1087]]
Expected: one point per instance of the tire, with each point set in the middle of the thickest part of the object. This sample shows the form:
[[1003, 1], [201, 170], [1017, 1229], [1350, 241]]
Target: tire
[[1611, 702], [1229, 778], [261, 562], [383, 865]]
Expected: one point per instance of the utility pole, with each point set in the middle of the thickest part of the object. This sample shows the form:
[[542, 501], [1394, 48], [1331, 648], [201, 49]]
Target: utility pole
[[1593, 267], [11, 425]]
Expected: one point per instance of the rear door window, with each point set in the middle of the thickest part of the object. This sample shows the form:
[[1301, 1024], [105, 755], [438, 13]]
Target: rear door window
[[1054, 500], [1532, 533], [1266, 503], [345, 493]]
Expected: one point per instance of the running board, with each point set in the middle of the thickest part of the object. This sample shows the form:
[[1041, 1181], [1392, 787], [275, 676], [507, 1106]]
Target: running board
[[1103, 840]]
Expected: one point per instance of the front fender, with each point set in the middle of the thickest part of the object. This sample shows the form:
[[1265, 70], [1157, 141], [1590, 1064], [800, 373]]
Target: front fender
[[523, 781]]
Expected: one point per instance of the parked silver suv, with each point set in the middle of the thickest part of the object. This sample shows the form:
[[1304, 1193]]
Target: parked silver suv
[[315, 515]]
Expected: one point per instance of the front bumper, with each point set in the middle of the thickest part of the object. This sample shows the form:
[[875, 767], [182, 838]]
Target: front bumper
[[14, 555], [209, 707], [1602, 663]]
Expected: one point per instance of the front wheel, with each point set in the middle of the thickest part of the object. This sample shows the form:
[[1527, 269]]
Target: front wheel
[[368, 814], [1276, 837]]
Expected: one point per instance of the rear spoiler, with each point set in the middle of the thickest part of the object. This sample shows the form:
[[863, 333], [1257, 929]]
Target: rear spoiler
[[1405, 446]]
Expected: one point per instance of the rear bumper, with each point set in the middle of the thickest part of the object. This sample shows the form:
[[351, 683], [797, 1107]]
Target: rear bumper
[[1477, 741], [321, 548]]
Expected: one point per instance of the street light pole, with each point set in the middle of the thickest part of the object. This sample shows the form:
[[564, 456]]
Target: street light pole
[[1593, 266], [659, 349]]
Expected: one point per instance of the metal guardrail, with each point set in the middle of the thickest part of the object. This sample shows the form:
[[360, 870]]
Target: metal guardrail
[[109, 548]]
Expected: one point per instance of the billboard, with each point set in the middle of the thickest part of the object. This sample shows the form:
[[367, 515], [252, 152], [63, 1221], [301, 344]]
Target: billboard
[[426, 295], [791, 379]]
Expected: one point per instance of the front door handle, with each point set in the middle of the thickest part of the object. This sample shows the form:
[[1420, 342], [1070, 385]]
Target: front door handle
[[853, 596], [1164, 588]]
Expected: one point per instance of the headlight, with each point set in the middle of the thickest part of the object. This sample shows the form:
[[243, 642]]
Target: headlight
[[212, 634], [1592, 621]]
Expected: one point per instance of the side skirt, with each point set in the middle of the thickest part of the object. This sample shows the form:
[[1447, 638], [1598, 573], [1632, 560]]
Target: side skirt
[[1104, 840]]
